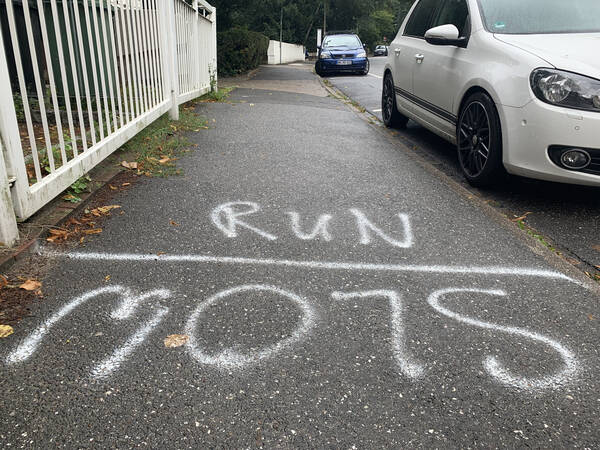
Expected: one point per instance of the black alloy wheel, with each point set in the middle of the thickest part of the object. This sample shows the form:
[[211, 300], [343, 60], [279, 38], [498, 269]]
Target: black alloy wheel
[[391, 117], [479, 141]]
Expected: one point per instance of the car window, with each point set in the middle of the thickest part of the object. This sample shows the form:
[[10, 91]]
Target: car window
[[421, 18], [454, 12], [341, 41]]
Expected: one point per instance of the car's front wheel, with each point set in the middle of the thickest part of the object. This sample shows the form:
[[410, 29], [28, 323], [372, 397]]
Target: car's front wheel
[[367, 68], [479, 138], [391, 117]]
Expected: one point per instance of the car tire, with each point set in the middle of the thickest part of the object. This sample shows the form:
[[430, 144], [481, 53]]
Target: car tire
[[318, 70], [392, 118], [367, 69], [479, 141]]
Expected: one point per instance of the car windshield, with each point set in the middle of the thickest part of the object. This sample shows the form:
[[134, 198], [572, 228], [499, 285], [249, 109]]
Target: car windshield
[[341, 41], [541, 16]]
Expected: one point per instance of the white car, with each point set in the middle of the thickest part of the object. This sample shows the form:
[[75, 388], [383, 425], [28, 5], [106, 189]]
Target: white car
[[515, 84]]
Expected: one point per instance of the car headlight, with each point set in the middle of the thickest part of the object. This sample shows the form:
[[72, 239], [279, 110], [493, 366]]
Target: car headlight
[[567, 89], [362, 55], [325, 55]]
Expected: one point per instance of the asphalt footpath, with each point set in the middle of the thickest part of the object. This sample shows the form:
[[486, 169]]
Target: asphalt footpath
[[332, 293]]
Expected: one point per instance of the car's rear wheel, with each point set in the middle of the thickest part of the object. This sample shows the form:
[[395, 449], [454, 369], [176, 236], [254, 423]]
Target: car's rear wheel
[[391, 117], [479, 138]]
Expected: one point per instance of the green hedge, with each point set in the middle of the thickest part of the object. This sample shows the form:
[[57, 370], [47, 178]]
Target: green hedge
[[240, 50]]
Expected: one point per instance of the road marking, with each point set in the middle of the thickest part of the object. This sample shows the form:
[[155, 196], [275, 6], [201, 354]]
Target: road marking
[[320, 228], [318, 265], [128, 306], [377, 110], [364, 225], [231, 223], [107, 367], [492, 365], [376, 76], [232, 359], [408, 366]]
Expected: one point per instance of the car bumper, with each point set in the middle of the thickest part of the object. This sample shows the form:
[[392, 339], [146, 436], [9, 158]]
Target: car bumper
[[332, 65], [530, 131]]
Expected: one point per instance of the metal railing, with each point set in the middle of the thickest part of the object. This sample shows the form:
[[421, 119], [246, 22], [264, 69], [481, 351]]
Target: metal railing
[[84, 77]]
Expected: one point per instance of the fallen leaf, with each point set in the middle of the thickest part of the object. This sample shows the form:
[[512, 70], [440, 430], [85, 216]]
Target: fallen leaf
[[129, 165], [596, 247], [93, 231], [172, 222], [5, 331], [3, 281], [164, 160], [160, 253], [112, 188], [176, 340], [573, 261], [107, 278], [31, 285], [126, 184], [591, 317], [523, 217]]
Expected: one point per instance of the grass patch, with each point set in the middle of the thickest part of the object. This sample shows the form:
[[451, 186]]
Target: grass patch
[[216, 96], [523, 226], [159, 146]]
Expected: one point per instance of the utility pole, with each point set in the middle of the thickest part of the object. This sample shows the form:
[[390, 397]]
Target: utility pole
[[324, 18], [281, 37]]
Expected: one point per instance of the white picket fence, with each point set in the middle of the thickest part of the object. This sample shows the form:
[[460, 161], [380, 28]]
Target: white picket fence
[[88, 75]]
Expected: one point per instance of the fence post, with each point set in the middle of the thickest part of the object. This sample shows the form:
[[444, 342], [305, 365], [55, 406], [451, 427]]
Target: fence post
[[213, 47], [12, 161], [9, 233], [169, 61]]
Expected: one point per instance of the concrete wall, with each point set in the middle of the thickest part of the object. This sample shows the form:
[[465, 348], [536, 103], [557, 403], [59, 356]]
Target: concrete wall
[[290, 53]]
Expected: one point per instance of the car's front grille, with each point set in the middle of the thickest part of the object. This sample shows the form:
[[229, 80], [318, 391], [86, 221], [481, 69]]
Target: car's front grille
[[346, 56]]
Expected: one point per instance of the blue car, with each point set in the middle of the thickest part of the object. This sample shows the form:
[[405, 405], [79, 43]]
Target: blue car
[[342, 53]]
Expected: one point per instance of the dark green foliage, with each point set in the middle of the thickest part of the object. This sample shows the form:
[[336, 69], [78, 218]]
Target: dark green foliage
[[372, 20], [240, 50]]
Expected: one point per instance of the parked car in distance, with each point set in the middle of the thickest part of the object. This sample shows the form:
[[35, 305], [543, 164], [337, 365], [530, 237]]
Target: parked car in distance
[[342, 52], [514, 84], [381, 50]]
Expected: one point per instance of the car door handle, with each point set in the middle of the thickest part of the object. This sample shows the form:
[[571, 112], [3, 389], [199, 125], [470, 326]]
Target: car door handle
[[419, 57]]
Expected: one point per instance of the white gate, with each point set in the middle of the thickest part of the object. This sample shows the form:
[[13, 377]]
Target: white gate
[[84, 77]]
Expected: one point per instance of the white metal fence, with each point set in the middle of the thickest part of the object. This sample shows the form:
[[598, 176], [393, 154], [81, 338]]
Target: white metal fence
[[79, 78]]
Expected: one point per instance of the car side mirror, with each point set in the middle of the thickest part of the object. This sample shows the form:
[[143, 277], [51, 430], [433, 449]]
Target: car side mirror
[[445, 35]]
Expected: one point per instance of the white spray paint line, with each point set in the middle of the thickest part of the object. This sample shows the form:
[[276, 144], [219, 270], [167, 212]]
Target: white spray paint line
[[408, 366], [320, 228], [232, 359], [492, 365], [111, 364], [129, 303], [365, 225], [317, 265], [31, 343], [231, 221]]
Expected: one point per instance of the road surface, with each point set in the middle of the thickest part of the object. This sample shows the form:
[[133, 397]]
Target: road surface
[[334, 293]]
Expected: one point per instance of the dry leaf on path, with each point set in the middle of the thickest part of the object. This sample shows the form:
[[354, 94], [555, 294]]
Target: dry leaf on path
[[164, 160], [172, 222], [31, 285], [596, 247], [93, 231], [523, 217], [129, 165], [176, 340], [5, 331], [3, 281]]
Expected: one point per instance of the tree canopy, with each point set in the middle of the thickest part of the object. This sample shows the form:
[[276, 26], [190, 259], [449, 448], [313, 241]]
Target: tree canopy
[[372, 20]]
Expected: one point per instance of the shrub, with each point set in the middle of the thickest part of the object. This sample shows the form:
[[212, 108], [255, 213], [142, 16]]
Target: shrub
[[240, 50]]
